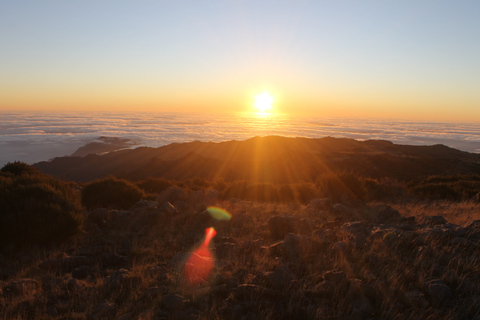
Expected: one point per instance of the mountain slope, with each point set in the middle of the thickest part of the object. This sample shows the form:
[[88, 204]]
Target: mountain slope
[[273, 159]]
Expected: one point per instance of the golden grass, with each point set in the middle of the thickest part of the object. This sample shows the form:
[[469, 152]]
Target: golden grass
[[387, 270]]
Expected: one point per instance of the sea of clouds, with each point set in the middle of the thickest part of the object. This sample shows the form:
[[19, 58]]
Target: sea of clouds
[[37, 136]]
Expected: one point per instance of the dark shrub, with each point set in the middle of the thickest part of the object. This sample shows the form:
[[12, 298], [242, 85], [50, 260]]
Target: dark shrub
[[340, 186], [304, 192], [220, 185], [111, 193], [36, 208], [285, 193], [198, 184], [236, 189], [261, 191], [458, 188], [154, 185], [19, 168]]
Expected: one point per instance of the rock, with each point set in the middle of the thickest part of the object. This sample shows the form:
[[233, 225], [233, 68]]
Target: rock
[[384, 214], [50, 264], [81, 272], [73, 285], [280, 226], [295, 246], [474, 225], [73, 262], [340, 247], [324, 289], [304, 226], [254, 292], [144, 205], [356, 233], [279, 279], [112, 260], [335, 276], [416, 298], [195, 199], [438, 291], [341, 211], [211, 197], [433, 220], [153, 293], [167, 209], [319, 204], [223, 250], [104, 310], [476, 198], [54, 284], [22, 286], [173, 302], [171, 195], [361, 307], [100, 217]]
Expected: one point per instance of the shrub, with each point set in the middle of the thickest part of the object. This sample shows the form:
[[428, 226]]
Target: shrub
[[261, 191], [459, 187], [285, 193], [111, 193], [18, 168], [198, 184], [36, 208], [304, 192], [341, 185], [154, 185]]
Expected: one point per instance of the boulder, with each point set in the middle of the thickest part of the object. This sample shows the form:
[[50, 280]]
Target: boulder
[[195, 199], [105, 310], [173, 302], [171, 194], [433, 220], [438, 291], [280, 278], [384, 214], [319, 204], [22, 286], [280, 226], [211, 197]]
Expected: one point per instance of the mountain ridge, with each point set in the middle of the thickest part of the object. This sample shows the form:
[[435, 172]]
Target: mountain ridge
[[270, 159]]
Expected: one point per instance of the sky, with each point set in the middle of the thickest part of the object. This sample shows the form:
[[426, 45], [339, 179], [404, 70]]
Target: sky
[[404, 59]]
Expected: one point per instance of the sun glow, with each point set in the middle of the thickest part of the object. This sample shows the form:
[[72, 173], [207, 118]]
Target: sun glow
[[263, 102]]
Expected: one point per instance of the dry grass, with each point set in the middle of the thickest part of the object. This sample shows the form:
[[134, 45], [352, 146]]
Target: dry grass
[[379, 276]]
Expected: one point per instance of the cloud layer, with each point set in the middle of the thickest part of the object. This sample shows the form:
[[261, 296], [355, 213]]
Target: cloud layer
[[33, 137]]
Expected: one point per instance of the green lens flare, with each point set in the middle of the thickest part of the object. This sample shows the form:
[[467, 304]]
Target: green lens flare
[[218, 213]]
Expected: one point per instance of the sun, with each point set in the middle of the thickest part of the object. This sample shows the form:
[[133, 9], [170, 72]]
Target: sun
[[263, 102]]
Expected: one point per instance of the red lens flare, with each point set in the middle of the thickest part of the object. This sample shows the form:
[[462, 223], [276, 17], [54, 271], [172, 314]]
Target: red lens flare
[[200, 263]]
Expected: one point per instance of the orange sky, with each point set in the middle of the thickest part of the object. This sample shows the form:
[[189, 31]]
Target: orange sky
[[404, 60]]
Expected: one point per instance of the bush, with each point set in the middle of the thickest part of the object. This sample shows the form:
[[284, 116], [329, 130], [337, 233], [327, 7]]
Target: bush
[[340, 186], [304, 192], [19, 168], [36, 208], [457, 188], [111, 193], [154, 185]]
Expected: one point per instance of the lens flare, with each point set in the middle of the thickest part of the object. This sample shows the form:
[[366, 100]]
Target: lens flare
[[200, 263], [219, 213]]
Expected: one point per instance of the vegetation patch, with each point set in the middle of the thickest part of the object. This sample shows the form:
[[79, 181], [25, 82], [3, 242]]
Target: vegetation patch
[[36, 208]]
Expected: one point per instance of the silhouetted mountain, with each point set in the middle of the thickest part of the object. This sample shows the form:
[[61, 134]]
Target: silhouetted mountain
[[273, 159], [103, 145]]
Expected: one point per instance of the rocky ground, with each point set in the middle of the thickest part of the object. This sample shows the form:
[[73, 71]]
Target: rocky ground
[[271, 261]]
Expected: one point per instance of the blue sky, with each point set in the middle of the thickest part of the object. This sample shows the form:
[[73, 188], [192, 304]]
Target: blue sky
[[402, 59]]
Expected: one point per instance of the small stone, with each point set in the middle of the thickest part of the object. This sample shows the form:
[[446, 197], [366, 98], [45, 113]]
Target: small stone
[[438, 290], [105, 310], [173, 302], [81, 272]]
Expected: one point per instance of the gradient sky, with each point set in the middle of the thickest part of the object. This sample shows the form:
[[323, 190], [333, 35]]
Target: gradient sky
[[404, 59]]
